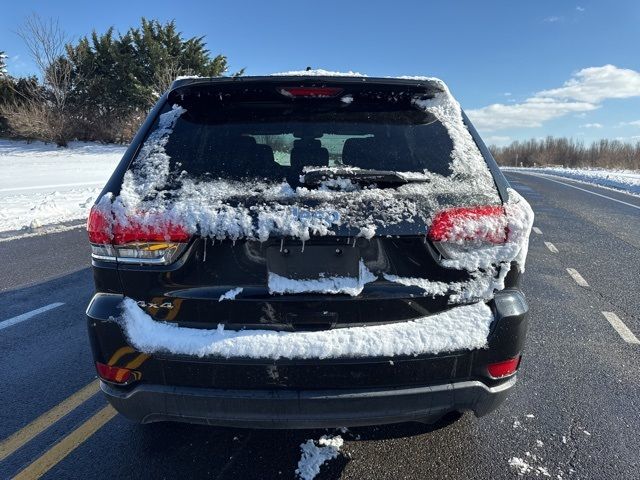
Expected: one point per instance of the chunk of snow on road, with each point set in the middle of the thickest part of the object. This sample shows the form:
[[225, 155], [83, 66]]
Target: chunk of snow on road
[[530, 415], [315, 455], [627, 181], [461, 328], [517, 424], [539, 443], [231, 294], [520, 465], [349, 285], [586, 433]]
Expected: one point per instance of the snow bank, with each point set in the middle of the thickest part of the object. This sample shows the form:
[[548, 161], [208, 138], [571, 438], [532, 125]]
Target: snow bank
[[460, 328], [315, 455], [627, 181], [41, 184]]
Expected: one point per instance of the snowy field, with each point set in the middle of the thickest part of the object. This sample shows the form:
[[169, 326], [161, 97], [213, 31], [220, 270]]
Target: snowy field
[[625, 180], [42, 185]]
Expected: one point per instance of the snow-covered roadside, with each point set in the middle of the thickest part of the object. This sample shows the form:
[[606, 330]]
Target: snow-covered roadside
[[627, 181], [41, 184]]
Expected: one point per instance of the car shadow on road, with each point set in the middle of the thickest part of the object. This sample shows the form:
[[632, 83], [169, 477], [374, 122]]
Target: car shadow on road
[[228, 453]]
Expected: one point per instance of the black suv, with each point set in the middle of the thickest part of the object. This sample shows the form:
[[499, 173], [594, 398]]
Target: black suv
[[302, 251]]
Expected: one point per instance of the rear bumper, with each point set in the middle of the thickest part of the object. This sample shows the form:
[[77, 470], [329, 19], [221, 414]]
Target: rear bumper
[[304, 409]]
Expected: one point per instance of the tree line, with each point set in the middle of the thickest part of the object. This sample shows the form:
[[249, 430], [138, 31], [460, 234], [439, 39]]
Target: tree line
[[569, 153], [99, 87]]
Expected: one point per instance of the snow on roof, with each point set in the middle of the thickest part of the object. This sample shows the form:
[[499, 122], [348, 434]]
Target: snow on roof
[[318, 72]]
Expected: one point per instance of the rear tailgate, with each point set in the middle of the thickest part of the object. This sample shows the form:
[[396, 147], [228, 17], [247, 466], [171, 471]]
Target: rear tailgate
[[219, 185]]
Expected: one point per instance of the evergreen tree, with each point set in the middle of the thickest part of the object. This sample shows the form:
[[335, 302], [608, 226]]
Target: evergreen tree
[[117, 77]]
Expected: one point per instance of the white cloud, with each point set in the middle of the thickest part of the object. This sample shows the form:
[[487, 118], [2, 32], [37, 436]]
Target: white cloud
[[634, 123], [498, 140], [552, 19], [595, 84], [582, 93], [533, 112], [592, 125], [580, 9], [507, 94]]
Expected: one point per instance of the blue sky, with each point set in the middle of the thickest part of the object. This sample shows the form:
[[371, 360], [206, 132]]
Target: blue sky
[[520, 69]]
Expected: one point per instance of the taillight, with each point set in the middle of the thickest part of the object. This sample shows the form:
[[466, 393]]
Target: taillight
[[504, 368], [121, 376], [459, 229], [311, 92], [143, 239]]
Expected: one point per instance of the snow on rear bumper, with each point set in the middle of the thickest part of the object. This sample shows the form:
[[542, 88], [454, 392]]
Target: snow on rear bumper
[[304, 409]]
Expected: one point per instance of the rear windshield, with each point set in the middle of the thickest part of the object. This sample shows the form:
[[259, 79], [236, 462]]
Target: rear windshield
[[276, 137]]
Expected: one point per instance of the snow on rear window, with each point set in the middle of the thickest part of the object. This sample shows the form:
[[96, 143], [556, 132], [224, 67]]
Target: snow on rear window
[[262, 208]]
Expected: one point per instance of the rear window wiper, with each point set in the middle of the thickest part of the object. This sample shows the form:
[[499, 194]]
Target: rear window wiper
[[317, 176]]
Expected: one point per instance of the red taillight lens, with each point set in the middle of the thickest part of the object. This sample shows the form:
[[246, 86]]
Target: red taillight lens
[[463, 224], [143, 239], [99, 226], [311, 92], [505, 368], [118, 375], [134, 231]]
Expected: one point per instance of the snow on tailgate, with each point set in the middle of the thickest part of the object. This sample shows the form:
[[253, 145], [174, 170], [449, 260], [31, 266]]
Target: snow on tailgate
[[460, 328]]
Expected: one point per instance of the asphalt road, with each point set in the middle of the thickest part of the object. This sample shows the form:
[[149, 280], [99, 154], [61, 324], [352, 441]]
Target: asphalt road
[[575, 412]]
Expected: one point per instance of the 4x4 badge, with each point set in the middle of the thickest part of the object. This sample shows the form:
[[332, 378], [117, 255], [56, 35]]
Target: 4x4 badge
[[143, 304]]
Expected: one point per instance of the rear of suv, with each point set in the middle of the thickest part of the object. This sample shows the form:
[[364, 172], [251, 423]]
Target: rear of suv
[[302, 251]]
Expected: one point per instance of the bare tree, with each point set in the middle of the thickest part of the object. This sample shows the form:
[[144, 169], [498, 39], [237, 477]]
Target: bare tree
[[43, 113], [46, 42]]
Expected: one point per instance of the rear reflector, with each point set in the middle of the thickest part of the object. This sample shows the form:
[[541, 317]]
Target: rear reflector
[[311, 92], [505, 368], [464, 224], [121, 376]]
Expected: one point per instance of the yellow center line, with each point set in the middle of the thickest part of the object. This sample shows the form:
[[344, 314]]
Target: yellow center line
[[44, 421], [64, 447]]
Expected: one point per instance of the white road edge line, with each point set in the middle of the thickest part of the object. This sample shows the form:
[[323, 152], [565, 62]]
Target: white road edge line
[[619, 326], [552, 248], [577, 277], [583, 189], [48, 187], [537, 230], [46, 231], [26, 316]]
